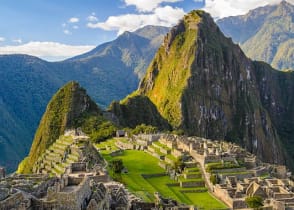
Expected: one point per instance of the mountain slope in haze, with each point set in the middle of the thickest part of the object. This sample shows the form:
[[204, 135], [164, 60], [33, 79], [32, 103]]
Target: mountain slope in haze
[[201, 82], [109, 72], [265, 34], [26, 85], [134, 50], [67, 107]]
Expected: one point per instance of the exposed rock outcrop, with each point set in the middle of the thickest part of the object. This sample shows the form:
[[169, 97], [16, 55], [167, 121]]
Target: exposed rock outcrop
[[201, 82]]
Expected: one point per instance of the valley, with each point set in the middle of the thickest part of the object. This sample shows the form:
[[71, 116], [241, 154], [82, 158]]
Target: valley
[[160, 118]]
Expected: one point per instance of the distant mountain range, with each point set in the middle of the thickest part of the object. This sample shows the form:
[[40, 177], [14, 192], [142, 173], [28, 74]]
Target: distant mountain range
[[265, 34], [109, 72]]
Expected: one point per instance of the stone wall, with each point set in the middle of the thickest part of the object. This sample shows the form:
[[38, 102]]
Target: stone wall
[[100, 178], [124, 145], [78, 166], [2, 173], [199, 158], [192, 175], [176, 153], [143, 142], [223, 195], [72, 200], [229, 170], [164, 151], [238, 176], [142, 206], [187, 184], [163, 165], [45, 205], [12, 202], [146, 176]]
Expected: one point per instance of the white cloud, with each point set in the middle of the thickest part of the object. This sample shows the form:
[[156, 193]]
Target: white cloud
[[74, 20], [47, 50], [147, 5], [63, 25], [18, 41], [75, 27], [163, 16], [92, 17], [67, 32], [224, 8], [2, 39]]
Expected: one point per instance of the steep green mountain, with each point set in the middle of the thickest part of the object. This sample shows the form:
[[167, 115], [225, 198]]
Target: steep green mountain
[[202, 83], [69, 108], [136, 110], [265, 34], [109, 72]]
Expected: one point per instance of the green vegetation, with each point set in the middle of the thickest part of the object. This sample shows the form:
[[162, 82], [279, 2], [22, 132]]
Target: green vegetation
[[206, 201], [97, 128], [109, 72], [137, 180], [147, 129], [69, 108], [137, 110], [116, 165], [172, 71], [269, 39], [214, 179], [106, 147], [254, 202], [210, 167]]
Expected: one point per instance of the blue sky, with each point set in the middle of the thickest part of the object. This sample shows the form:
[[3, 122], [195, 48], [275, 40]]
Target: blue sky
[[57, 29]]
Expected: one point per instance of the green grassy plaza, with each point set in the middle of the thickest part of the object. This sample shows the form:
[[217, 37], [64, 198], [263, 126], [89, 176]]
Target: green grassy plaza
[[138, 163]]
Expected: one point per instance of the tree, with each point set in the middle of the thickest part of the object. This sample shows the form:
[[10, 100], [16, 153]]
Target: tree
[[116, 166], [254, 202], [214, 179], [147, 129], [178, 165]]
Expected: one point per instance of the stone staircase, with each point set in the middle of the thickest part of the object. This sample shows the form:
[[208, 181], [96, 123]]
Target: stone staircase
[[58, 157]]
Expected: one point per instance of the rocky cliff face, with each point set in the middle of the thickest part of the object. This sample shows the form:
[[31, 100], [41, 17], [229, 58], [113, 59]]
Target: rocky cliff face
[[63, 112], [276, 94], [201, 82]]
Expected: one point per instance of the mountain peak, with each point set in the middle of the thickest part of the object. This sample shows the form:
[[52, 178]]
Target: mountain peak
[[285, 8], [202, 83], [63, 112], [150, 32]]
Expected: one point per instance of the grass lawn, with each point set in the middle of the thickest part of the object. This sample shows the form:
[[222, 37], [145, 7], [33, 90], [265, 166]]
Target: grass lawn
[[202, 200], [138, 163], [159, 183], [205, 201], [107, 147]]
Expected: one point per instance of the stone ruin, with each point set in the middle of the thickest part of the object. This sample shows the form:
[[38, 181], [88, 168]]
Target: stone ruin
[[2, 172]]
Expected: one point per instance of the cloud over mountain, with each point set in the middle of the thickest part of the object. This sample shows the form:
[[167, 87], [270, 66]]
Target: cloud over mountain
[[225, 8], [46, 50], [161, 16]]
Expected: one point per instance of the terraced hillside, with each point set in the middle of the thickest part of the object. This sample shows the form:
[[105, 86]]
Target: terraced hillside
[[66, 150], [58, 156]]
